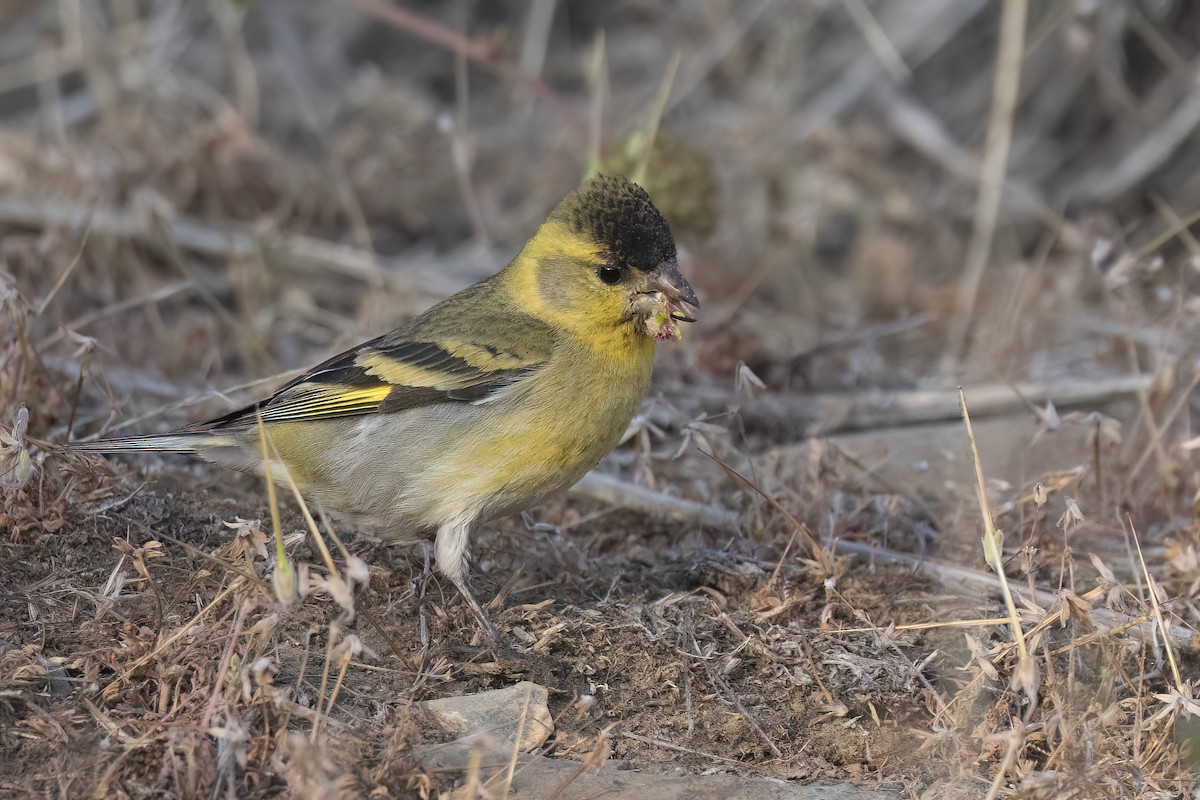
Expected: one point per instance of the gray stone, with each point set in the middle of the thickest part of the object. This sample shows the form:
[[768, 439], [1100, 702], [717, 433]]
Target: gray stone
[[538, 778], [496, 715], [487, 724]]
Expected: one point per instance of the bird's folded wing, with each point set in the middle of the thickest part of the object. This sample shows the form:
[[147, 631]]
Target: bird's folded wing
[[395, 372]]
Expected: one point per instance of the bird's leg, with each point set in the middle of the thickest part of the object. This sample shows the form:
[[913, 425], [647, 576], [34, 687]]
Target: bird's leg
[[490, 633], [422, 588], [426, 567], [451, 544]]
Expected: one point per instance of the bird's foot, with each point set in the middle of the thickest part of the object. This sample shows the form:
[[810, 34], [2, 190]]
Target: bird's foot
[[506, 659]]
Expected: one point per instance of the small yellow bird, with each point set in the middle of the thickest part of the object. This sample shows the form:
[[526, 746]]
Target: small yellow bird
[[488, 402]]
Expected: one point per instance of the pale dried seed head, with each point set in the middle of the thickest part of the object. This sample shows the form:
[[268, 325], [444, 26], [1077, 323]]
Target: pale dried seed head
[[357, 572], [283, 581], [1025, 677], [745, 382], [1071, 517], [340, 591], [348, 648], [263, 670], [16, 465]]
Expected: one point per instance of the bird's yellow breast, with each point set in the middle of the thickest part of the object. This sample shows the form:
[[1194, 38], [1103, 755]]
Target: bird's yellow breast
[[554, 429]]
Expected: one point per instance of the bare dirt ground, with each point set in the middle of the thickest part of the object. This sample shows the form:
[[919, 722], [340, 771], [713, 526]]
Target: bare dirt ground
[[785, 572]]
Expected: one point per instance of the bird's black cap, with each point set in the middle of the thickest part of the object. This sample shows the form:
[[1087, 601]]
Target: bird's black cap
[[618, 213]]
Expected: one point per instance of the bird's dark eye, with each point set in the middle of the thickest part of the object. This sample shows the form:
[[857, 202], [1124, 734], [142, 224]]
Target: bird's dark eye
[[609, 275]]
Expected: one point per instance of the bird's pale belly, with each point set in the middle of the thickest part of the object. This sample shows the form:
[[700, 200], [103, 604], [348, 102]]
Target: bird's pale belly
[[406, 476], [525, 462], [414, 471], [497, 475]]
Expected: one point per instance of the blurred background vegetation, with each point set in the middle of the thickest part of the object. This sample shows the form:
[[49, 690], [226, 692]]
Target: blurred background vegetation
[[877, 202]]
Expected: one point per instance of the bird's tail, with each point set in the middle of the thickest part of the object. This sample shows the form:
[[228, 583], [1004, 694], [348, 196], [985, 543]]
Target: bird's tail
[[177, 442]]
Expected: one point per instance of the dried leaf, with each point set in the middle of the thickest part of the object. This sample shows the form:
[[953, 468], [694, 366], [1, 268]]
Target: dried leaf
[[745, 382], [1071, 517]]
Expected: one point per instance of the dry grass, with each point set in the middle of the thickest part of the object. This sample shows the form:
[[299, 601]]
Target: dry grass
[[198, 198]]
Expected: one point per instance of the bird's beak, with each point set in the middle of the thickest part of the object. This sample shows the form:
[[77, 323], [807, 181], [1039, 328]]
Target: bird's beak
[[670, 281]]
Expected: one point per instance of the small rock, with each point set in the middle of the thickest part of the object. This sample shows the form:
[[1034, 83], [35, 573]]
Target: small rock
[[496, 714]]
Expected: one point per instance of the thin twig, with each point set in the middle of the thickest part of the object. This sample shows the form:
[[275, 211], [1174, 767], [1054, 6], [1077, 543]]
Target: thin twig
[[995, 163], [184, 630], [993, 540], [66, 273], [598, 87], [832, 412], [483, 52], [612, 490], [223, 668], [535, 42], [1141, 156], [964, 579], [1015, 737], [284, 578], [677, 748], [814, 548], [731, 695], [916, 35], [229, 241], [877, 39], [654, 120], [921, 129], [1152, 587], [119, 307]]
